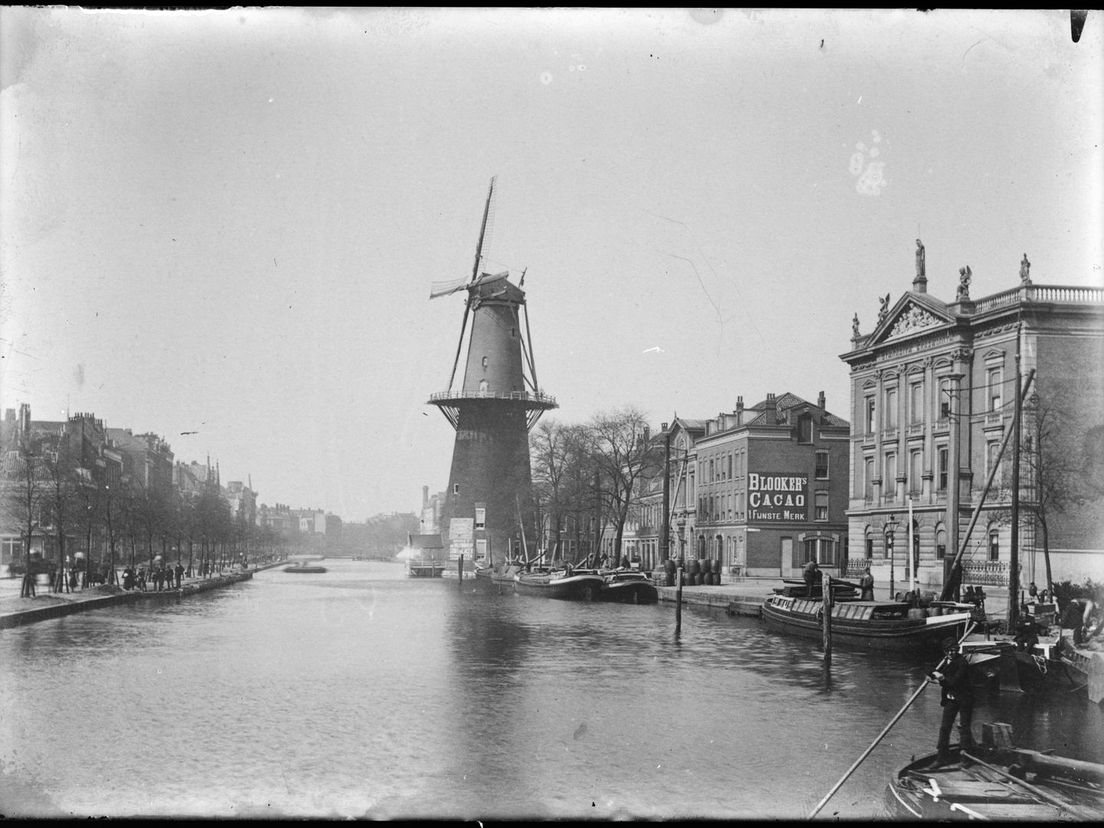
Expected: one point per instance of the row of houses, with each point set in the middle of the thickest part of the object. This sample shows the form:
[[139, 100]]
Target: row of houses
[[763, 489], [118, 460]]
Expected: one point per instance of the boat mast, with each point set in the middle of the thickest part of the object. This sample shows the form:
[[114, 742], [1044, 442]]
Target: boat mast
[[956, 566], [1014, 549]]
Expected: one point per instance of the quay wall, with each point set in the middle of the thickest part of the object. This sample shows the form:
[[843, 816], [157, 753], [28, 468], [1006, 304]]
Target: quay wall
[[95, 599]]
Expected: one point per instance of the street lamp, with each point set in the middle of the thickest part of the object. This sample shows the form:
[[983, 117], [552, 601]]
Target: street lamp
[[890, 530]]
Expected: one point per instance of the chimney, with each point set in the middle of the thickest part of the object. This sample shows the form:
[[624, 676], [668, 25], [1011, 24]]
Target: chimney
[[647, 433], [820, 400], [663, 426]]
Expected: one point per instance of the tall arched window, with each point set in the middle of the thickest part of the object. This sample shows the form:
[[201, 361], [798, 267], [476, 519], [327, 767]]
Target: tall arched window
[[994, 545]]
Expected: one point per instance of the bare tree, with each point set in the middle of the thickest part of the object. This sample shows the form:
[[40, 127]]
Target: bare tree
[[620, 446], [61, 501], [1062, 465], [24, 494]]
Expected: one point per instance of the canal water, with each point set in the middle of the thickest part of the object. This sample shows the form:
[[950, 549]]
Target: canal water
[[363, 693]]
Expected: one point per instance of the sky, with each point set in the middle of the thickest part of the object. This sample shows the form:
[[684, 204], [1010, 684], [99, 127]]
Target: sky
[[222, 226]]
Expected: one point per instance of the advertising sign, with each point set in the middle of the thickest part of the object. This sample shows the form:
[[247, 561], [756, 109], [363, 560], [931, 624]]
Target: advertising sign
[[778, 496], [461, 534]]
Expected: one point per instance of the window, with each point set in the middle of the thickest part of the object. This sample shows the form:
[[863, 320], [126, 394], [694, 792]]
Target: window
[[916, 403], [888, 545], [805, 428], [944, 399], [822, 465], [994, 380], [868, 550], [730, 467], [456, 488], [789, 554], [891, 409], [940, 543], [943, 461], [890, 476], [480, 517], [870, 410], [821, 506], [712, 471], [915, 471], [868, 479], [994, 545], [992, 452]]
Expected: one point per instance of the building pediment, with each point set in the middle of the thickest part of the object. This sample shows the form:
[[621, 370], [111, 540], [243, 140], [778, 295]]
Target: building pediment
[[910, 315]]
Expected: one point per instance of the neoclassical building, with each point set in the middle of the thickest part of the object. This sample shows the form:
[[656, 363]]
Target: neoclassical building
[[933, 394]]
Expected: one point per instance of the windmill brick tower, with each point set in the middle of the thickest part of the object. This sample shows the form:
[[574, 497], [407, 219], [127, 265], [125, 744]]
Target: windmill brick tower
[[488, 503]]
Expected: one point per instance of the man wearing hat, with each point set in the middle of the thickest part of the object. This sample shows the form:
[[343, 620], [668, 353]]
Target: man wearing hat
[[957, 700]]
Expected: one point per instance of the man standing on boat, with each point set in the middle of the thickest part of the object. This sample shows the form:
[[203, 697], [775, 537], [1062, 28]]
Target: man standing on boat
[[812, 577], [866, 584], [957, 700]]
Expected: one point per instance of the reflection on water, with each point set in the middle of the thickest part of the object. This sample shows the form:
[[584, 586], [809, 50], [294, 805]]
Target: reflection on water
[[361, 692]]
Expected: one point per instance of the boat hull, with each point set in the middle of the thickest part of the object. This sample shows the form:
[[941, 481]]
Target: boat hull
[[562, 588], [309, 570], [496, 579], [895, 635], [989, 789], [637, 589]]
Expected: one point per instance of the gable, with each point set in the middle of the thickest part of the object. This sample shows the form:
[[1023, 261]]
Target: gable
[[910, 315]]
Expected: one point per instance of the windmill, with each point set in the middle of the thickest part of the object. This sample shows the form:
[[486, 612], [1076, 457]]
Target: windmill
[[492, 410]]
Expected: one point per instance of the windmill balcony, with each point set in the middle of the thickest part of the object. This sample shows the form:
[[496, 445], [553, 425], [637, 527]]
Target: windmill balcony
[[536, 398]]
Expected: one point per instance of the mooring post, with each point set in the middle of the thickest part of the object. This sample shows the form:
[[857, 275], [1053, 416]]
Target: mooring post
[[460, 570], [826, 609], [678, 602]]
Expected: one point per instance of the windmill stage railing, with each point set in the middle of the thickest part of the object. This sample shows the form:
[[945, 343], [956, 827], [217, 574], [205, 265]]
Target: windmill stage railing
[[538, 398]]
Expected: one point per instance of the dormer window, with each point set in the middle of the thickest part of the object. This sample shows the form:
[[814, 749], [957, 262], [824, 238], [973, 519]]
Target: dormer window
[[805, 428]]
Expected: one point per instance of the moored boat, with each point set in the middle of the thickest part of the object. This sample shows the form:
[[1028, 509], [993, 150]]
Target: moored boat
[[998, 783], [564, 584], [304, 568], [499, 578], [628, 587], [881, 625]]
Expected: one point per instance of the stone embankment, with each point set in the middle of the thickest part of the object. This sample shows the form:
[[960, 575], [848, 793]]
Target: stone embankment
[[17, 611]]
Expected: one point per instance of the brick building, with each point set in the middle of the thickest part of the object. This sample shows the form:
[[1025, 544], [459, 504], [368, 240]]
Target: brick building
[[762, 489]]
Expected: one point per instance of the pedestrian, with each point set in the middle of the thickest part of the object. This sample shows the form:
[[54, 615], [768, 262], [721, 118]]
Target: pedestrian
[[142, 578], [1033, 593], [866, 584], [128, 578], [812, 576], [957, 700], [179, 575], [1027, 638]]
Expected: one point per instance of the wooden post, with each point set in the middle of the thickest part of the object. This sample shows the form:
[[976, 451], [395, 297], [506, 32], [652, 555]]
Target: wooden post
[[826, 608], [678, 602], [460, 570]]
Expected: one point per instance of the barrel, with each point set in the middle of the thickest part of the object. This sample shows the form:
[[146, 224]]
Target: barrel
[[669, 578], [917, 614], [717, 570], [669, 566], [694, 567], [706, 566], [714, 578]]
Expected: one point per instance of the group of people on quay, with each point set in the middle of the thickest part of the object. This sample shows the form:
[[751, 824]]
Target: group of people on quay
[[162, 577]]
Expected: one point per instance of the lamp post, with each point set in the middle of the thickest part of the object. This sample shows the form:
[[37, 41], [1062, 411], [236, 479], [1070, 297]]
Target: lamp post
[[890, 528]]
